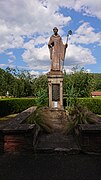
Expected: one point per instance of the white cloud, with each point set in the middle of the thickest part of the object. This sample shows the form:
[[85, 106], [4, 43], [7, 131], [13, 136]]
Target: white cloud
[[18, 19], [34, 73], [77, 55], [35, 19], [11, 55], [91, 7], [10, 61], [85, 35], [37, 73], [88, 70], [38, 58], [88, 7], [2, 65]]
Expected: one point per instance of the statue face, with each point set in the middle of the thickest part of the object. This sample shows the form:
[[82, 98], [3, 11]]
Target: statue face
[[55, 30]]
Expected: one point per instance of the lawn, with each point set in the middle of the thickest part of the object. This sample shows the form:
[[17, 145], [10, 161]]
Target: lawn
[[7, 117]]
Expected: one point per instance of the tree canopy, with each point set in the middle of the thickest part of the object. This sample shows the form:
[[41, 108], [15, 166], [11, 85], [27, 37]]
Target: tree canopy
[[20, 83]]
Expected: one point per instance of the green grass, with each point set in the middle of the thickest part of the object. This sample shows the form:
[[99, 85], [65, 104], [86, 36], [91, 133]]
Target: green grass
[[7, 117], [98, 97], [99, 115]]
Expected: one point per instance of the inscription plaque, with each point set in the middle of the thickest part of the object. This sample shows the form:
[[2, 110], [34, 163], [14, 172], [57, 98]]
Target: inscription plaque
[[55, 92]]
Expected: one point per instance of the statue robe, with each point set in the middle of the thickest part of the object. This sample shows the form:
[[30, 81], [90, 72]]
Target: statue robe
[[57, 52]]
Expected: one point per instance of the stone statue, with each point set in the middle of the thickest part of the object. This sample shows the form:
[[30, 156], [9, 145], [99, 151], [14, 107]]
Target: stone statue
[[57, 50]]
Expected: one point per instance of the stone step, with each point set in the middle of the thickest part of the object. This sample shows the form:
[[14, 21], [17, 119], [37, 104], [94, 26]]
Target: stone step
[[57, 142], [57, 121]]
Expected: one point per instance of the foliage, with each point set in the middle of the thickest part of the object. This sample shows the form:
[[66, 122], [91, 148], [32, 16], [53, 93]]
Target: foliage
[[5, 118], [20, 83], [81, 115], [72, 98], [15, 105], [93, 104], [17, 83], [6, 82], [42, 99], [40, 90], [97, 77], [39, 117], [40, 84], [78, 84]]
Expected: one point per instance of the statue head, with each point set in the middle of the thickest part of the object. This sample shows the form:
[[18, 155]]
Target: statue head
[[55, 30]]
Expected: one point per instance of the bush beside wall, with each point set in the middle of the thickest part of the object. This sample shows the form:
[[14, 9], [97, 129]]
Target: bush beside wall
[[15, 105], [92, 104]]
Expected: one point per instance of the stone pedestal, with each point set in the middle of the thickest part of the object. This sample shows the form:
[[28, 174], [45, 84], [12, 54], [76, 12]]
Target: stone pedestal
[[55, 85]]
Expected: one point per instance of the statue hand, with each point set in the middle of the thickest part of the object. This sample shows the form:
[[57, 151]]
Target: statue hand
[[49, 46], [52, 43], [66, 45]]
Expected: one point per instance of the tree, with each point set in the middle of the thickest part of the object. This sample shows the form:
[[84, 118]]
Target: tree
[[97, 78], [3, 83], [79, 83], [21, 84], [40, 84]]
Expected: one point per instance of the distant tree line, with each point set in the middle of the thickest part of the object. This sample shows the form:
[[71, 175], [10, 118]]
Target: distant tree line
[[20, 83]]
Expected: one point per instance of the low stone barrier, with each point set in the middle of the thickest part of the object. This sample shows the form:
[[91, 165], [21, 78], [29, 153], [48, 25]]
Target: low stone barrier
[[17, 136], [89, 137]]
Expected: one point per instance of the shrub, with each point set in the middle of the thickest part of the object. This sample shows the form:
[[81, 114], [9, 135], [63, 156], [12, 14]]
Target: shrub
[[15, 105], [81, 115], [92, 104], [41, 116], [42, 97]]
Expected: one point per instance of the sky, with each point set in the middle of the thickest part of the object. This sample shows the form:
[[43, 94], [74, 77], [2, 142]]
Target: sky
[[26, 27]]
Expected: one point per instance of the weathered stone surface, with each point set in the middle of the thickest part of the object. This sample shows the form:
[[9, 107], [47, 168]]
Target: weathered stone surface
[[57, 50], [54, 74], [90, 138], [1, 143], [15, 143], [56, 120], [55, 92], [55, 85], [90, 128], [57, 142], [17, 137], [20, 118]]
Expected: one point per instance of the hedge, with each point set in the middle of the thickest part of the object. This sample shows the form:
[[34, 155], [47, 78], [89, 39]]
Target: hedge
[[15, 105], [93, 104]]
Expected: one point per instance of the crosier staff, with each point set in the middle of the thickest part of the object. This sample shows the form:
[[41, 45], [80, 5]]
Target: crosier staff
[[69, 33]]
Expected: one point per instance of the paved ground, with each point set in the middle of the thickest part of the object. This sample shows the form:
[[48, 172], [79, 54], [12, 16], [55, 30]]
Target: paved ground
[[50, 167]]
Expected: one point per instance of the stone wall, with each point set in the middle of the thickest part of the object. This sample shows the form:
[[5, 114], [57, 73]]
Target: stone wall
[[90, 138]]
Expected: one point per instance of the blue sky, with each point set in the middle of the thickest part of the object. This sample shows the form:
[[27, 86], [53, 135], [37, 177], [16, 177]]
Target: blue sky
[[26, 26]]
